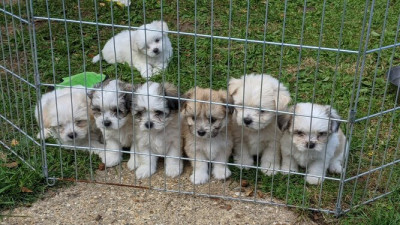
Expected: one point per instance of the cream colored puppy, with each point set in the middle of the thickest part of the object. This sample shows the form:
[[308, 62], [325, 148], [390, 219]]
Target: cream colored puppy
[[207, 134], [260, 134], [318, 144]]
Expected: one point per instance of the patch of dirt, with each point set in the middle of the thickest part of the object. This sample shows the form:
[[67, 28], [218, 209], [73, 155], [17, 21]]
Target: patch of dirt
[[87, 203]]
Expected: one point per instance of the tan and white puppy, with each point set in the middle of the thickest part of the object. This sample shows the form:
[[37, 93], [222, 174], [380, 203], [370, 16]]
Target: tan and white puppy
[[158, 131], [260, 136], [67, 117], [207, 135], [315, 143], [111, 108]]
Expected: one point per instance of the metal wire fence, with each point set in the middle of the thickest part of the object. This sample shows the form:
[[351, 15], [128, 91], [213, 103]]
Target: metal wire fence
[[326, 53]]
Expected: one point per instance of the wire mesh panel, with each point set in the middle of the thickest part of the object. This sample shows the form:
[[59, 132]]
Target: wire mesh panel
[[176, 113]]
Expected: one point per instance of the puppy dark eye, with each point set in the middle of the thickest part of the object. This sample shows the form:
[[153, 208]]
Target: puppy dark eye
[[157, 40], [138, 113], [80, 122], [96, 109], [159, 112], [118, 111], [212, 119], [322, 134], [300, 133], [193, 118]]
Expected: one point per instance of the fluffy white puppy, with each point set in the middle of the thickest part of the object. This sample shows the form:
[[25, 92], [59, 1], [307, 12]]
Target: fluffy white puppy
[[112, 112], [67, 118], [207, 133], [260, 134], [318, 144], [156, 120], [148, 49]]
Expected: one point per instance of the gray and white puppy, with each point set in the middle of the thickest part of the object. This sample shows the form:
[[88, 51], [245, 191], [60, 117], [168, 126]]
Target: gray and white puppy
[[156, 120], [318, 144], [111, 108]]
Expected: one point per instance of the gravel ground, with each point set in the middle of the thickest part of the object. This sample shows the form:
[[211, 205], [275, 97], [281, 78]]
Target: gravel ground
[[86, 203]]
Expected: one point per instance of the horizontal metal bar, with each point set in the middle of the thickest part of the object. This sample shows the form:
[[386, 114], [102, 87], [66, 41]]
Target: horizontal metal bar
[[372, 170], [16, 154], [15, 16], [377, 114], [200, 101], [368, 201], [23, 132], [382, 48], [204, 35], [17, 76]]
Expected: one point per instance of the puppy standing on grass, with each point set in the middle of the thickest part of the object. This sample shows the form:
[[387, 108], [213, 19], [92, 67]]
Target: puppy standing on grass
[[149, 51], [318, 144], [260, 132], [112, 112], [67, 117], [158, 131], [207, 133]]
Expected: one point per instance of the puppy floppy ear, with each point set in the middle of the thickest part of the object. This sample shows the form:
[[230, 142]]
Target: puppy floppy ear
[[171, 91], [284, 98], [126, 87], [161, 25], [285, 120], [225, 100], [188, 95], [97, 86], [234, 85], [332, 113]]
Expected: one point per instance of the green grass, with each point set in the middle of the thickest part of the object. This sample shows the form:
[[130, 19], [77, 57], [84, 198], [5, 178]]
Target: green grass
[[325, 76]]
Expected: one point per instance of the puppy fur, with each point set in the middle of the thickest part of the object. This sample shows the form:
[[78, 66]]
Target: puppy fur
[[112, 113], [260, 132], [315, 143], [207, 126], [67, 118], [157, 126], [147, 50]]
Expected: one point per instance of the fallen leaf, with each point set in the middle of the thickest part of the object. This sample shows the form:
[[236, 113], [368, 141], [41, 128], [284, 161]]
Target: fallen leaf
[[102, 4], [26, 190], [260, 194], [226, 206], [102, 166], [14, 142], [249, 193], [11, 165], [98, 217]]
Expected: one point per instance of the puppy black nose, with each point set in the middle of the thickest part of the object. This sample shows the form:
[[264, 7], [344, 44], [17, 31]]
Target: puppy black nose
[[107, 123], [149, 125], [310, 145], [156, 50], [72, 135], [201, 132], [247, 121]]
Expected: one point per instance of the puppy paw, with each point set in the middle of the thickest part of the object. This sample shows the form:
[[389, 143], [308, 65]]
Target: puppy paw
[[335, 168], [173, 170], [132, 163], [147, 73], [111, 159], [199, 178], [313, 180], [144, 171], [220, 173], [245, 162], [270, 170], [157, 70], [285, 170]]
